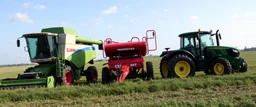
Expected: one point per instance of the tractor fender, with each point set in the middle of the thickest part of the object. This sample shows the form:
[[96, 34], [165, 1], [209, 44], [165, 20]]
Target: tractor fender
[[170, 54]]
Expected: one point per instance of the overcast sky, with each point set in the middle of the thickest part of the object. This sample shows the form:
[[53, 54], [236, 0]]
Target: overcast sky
[[123, 19]]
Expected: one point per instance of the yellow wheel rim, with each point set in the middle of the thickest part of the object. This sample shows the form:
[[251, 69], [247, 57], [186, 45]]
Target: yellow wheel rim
[[182, 69], [218, 68], [165, 69]]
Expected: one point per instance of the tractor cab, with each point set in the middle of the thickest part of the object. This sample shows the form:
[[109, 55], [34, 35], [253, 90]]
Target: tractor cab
[[40, 46], [200, 52]]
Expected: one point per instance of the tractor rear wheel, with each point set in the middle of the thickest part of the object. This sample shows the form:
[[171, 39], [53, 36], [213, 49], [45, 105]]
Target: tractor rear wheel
[[244, 67], [150, 71], [181, 66], [68, 78], [92, 74], [220, 66], [105, 75], [164, 67]]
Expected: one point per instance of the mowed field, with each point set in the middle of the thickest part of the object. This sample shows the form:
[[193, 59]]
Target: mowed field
[[237, 89]]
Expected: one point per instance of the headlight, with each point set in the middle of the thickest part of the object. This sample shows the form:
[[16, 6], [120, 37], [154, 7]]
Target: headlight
[[233, 52]]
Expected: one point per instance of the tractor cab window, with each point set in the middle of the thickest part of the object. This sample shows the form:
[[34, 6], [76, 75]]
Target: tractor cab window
[[206, 40], [189, 44]]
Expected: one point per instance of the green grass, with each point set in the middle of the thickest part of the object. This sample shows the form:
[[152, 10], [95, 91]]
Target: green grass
[[229, 90]]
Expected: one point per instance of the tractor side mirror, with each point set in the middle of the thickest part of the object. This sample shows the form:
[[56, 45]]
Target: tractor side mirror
[[18, 43], [220, 36]]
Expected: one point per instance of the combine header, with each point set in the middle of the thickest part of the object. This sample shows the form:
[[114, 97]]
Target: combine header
[[126, 59], [61, 56]]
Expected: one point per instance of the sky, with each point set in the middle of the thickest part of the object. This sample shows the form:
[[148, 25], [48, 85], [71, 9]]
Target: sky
[[123, 19]]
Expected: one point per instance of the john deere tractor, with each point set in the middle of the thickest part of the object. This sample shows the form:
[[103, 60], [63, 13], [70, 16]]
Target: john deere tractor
[[61, 56], [198, 52]]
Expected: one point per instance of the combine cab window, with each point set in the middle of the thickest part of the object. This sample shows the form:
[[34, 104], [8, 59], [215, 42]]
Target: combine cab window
[[41, 47]]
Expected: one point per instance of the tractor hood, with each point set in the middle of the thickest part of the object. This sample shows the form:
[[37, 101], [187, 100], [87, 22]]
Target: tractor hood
[[231, 51]]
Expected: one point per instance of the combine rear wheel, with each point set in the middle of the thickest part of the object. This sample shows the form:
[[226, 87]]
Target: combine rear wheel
[[92, 74], [220, 66], [164, 68], [68, 78], [150, 71], [181, 66], [105, 75]]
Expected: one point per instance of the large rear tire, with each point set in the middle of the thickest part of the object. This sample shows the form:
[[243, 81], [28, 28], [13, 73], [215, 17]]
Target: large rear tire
[[220, 66], [105, 75], [150, 71], [92, 74], [164, 67], [181, 66]]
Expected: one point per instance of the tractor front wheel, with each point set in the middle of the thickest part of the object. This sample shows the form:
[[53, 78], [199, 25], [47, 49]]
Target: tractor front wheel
[[68, 78], [220, 66], [92, 74], [244, 67], [181, 66], [150, 71], [164, 67]]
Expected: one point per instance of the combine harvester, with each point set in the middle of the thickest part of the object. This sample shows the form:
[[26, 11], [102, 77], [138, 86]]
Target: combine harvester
[[61, 56], [198, 52], [126, 59]]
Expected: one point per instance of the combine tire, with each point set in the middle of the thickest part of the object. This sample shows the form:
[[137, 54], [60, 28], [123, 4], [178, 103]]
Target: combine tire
[[105, 75], [150, 71], [68, 78], [244, 67], [181, 66], [92, 74], [220, 66], [164, 68]]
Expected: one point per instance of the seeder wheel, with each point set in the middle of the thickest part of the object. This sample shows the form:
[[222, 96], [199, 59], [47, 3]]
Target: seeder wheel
[[150, 71]]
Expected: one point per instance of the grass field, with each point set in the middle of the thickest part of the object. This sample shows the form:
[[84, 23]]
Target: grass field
[[211, 91]]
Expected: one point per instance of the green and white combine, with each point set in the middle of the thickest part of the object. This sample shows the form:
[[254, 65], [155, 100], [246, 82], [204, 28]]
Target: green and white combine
[[61, 56]]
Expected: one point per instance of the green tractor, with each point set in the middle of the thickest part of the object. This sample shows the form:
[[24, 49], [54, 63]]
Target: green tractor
[[198, 52], [61, 56]]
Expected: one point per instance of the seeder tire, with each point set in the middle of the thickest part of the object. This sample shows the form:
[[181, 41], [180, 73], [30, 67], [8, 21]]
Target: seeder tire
[[105, 75], [92, 74], [150, 70]]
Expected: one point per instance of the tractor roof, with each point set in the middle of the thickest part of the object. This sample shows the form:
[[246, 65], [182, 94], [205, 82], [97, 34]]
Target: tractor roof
[[60, 30], [193, 33]]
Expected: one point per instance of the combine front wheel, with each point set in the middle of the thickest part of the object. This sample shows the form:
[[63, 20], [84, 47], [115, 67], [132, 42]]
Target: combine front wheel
[[92, 74], [68, 78], [181, 66], [150, 71], [220, 66]]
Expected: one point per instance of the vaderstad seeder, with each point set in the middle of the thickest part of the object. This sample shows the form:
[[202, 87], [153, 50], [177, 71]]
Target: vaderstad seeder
[[126, 59]]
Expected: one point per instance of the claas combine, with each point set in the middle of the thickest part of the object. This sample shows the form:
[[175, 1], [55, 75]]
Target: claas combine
[[126, 59], [61, 56], [199, 52]]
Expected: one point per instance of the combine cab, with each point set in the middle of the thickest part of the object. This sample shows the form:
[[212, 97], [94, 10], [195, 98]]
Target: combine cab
[[61, 56], [126, 59]]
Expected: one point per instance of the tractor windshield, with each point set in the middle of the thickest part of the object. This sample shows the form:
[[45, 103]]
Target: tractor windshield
[[206, 40], [41, 47]]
